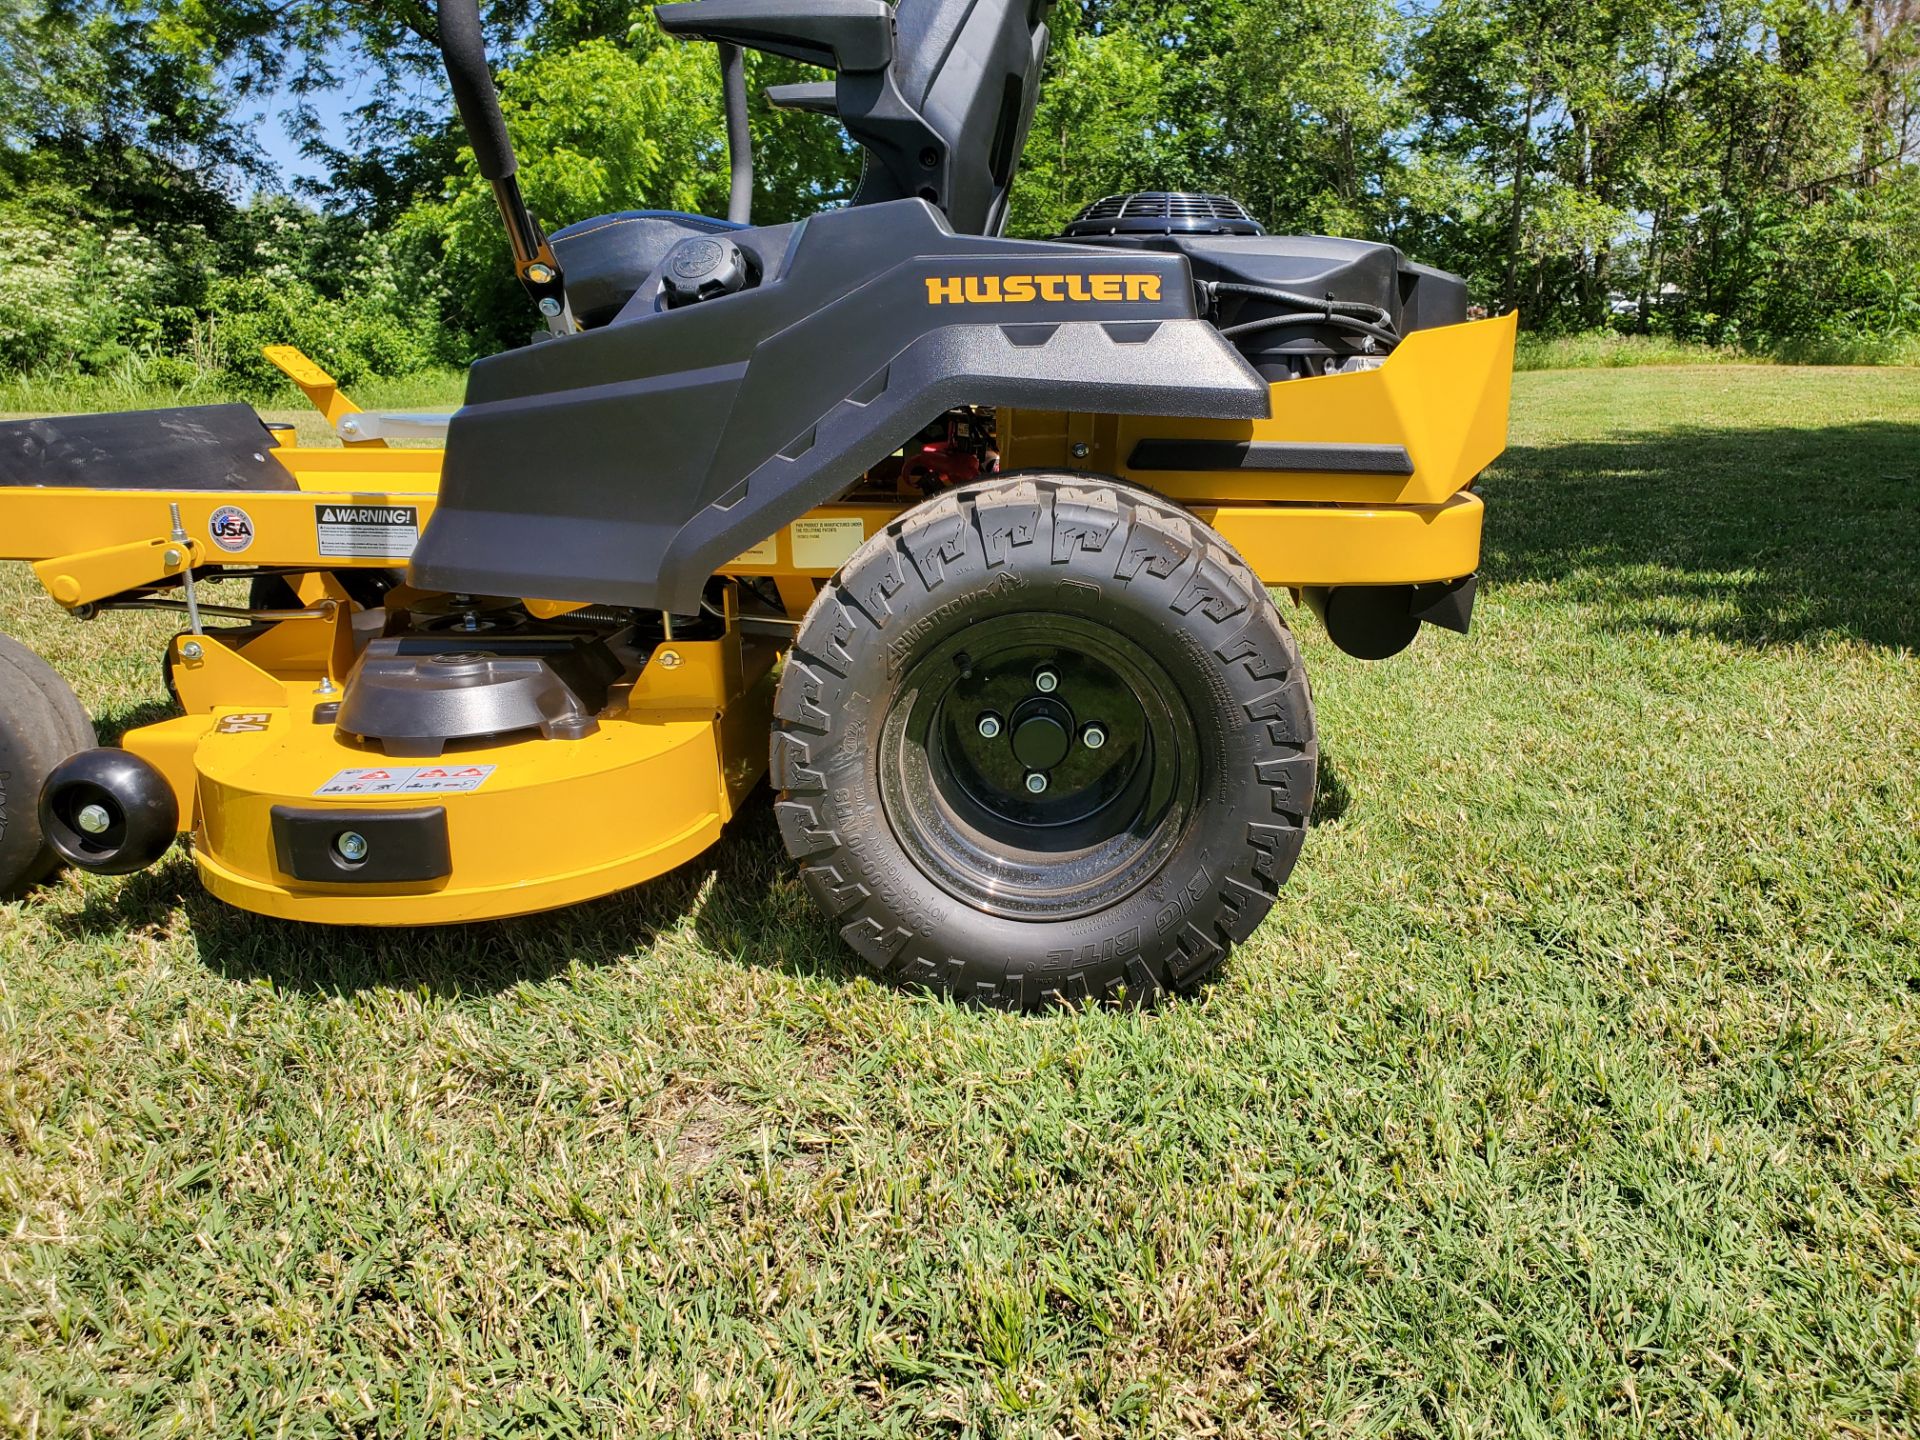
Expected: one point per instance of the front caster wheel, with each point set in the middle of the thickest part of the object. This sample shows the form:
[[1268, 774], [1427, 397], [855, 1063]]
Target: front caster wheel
[[1045, 738]]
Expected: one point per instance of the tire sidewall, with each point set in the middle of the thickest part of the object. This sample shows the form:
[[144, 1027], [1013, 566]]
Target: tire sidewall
[[1155, 576], [41, 724]]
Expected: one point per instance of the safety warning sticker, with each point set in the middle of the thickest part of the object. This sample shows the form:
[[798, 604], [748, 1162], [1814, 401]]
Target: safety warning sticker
[[825, 544], [384, 531], [407, 780], [767, 552]]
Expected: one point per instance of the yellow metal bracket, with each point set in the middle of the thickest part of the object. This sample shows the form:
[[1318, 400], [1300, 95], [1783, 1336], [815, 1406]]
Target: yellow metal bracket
[[552, 609], [320, 388], [210, 675], [90, 575]]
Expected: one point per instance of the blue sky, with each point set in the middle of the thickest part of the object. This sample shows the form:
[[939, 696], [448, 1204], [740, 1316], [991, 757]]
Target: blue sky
[[271, 131]]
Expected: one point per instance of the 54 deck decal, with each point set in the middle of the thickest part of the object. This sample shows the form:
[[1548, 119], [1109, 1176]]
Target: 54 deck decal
[[407, 780]]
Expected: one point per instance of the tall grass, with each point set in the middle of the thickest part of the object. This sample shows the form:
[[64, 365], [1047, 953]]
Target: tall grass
[[133, 386], [1609, 350]]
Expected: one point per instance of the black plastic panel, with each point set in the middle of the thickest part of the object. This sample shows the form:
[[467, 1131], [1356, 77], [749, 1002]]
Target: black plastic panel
[[403, 846], [1284, 456], [624, 464], [196, 447]]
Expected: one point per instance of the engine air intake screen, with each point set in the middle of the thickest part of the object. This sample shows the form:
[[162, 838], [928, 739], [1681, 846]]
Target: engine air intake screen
[[1163, 212]]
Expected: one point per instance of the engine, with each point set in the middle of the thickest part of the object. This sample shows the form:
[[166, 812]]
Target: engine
[[1294, 305]]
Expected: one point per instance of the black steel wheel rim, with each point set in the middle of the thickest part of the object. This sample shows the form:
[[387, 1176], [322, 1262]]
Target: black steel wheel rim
[[1062, 697]]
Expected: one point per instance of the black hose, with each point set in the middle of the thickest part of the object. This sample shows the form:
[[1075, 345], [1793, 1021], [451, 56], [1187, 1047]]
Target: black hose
[[1357, 308], [1284, 322], [733, 83]]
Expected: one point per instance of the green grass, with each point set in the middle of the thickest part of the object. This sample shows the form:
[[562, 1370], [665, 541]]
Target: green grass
[[1609, 350], [128, 389], [1573, 1088]]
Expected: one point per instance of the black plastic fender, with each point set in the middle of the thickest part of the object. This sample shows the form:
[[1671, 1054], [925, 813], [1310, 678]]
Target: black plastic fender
[[625, 464]]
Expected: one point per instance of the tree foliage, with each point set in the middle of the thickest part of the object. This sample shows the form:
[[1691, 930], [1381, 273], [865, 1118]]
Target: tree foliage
[[1730, 170]]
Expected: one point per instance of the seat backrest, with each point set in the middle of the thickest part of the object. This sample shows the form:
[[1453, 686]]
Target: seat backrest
[[971, 71]]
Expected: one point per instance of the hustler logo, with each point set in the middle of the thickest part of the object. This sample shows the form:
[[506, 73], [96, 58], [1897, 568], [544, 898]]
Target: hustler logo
[[1052, 289]]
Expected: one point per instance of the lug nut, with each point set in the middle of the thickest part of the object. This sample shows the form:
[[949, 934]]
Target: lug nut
[[1093, 737], [1037, 783], [94, 819], [989, 726], [1046, 682], [351, 846]]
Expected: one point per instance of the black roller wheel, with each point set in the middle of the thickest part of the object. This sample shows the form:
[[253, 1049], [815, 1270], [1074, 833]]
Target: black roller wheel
[[1045, 738], [41, 724]]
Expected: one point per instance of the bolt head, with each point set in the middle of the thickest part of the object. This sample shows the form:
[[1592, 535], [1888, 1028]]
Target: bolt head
[[192, 650], [549, 307], [989, 726], [1093, 737], [1037, 783], [172, 558], [670, 660], [1080, 449], [94, 819], [1046, 682], [539, 274], [351, 846]]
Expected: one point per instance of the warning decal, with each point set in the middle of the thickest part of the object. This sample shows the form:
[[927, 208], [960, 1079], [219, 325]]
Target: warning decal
[[407, 780], [767, 552], [387, 532], [825, 544]]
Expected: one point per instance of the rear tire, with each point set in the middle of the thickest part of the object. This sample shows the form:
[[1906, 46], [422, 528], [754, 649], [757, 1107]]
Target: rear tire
[[978, 642], [41, 724]]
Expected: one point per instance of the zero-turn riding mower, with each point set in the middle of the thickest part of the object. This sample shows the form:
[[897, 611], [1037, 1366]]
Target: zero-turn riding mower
[[966, 538]]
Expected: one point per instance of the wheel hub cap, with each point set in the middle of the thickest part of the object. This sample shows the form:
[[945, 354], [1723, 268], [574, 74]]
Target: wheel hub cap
[[1042, 733]]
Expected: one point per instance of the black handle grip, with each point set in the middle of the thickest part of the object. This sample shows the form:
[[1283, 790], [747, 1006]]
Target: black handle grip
[[463, 45], [733, 85]]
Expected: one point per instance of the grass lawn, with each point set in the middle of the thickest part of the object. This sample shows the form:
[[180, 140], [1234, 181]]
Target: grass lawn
[[1573, 1088]]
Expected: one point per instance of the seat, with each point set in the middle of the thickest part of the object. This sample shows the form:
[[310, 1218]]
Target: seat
[[607, 258], [939, 93]]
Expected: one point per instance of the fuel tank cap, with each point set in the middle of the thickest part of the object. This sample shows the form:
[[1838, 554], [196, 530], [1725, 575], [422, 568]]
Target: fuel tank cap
[[702, 267]]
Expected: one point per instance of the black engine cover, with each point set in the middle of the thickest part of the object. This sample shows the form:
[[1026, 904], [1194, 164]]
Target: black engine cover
[[1416, 296]]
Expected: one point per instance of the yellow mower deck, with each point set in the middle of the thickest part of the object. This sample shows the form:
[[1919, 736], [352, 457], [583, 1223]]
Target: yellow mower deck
[[535, 823]]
